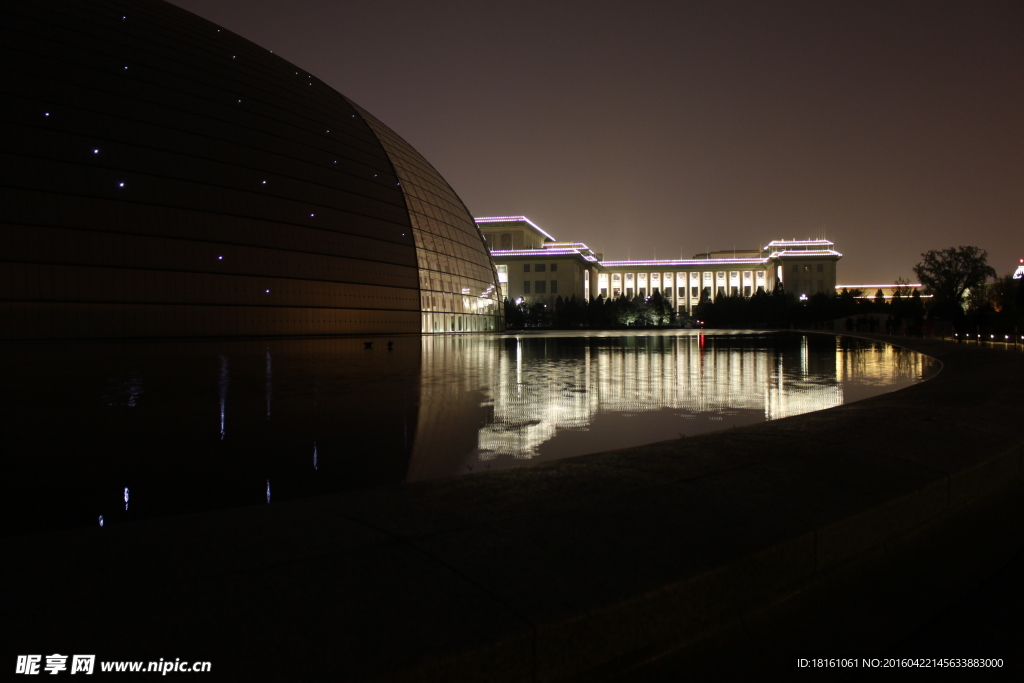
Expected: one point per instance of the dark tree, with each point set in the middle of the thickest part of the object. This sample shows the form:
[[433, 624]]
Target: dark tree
[[902, 288], [514, 318], [948, 273], [660, 309]]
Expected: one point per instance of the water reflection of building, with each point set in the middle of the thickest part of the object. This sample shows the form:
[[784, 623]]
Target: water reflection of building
[[523, 391], [191, 426]]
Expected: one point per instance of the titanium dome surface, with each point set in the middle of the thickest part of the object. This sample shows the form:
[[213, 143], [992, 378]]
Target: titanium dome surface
[[164, 177]]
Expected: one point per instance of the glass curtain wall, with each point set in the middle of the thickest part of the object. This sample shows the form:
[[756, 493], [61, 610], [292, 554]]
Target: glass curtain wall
[[458, 281]]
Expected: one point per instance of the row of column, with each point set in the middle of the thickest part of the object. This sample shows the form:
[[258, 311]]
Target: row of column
[[683, 289]]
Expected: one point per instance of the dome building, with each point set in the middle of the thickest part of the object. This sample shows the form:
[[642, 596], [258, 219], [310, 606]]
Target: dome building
[[164, 177]]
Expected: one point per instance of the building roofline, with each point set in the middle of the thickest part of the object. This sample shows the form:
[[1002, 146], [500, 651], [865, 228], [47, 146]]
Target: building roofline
[[514, 219]]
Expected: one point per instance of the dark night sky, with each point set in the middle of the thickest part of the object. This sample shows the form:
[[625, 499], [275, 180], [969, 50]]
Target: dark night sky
[[661, 129]]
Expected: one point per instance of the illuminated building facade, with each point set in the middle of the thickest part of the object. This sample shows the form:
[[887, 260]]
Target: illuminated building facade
[[165, 177], [525, 255]]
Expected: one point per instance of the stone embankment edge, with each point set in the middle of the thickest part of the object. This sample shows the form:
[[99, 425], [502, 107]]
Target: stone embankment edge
[[708, 610], [877, 578]]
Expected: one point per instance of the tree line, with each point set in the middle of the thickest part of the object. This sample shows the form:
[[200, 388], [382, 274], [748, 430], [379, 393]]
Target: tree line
[[956, 278]]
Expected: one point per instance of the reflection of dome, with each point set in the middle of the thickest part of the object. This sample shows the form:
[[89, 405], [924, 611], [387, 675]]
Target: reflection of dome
[[169, 178]]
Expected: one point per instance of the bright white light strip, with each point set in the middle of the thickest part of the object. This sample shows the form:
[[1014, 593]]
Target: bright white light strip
[[682, 262], [539, 253], [542, 253], [513, 219], [872, 286], [797, 243], [830, 252]]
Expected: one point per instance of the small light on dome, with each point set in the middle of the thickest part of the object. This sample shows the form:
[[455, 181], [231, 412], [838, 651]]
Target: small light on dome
[[120, 184], [312, 215], [220, 258], [126, 68], [268, 291], [95, 151], [46, 113], [263, 182]]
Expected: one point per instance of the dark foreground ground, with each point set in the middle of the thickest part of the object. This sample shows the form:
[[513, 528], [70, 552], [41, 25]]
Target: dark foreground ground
[[882, 530]]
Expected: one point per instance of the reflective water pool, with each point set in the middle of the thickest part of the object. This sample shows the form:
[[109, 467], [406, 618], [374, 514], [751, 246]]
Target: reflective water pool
[[101, 433]]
